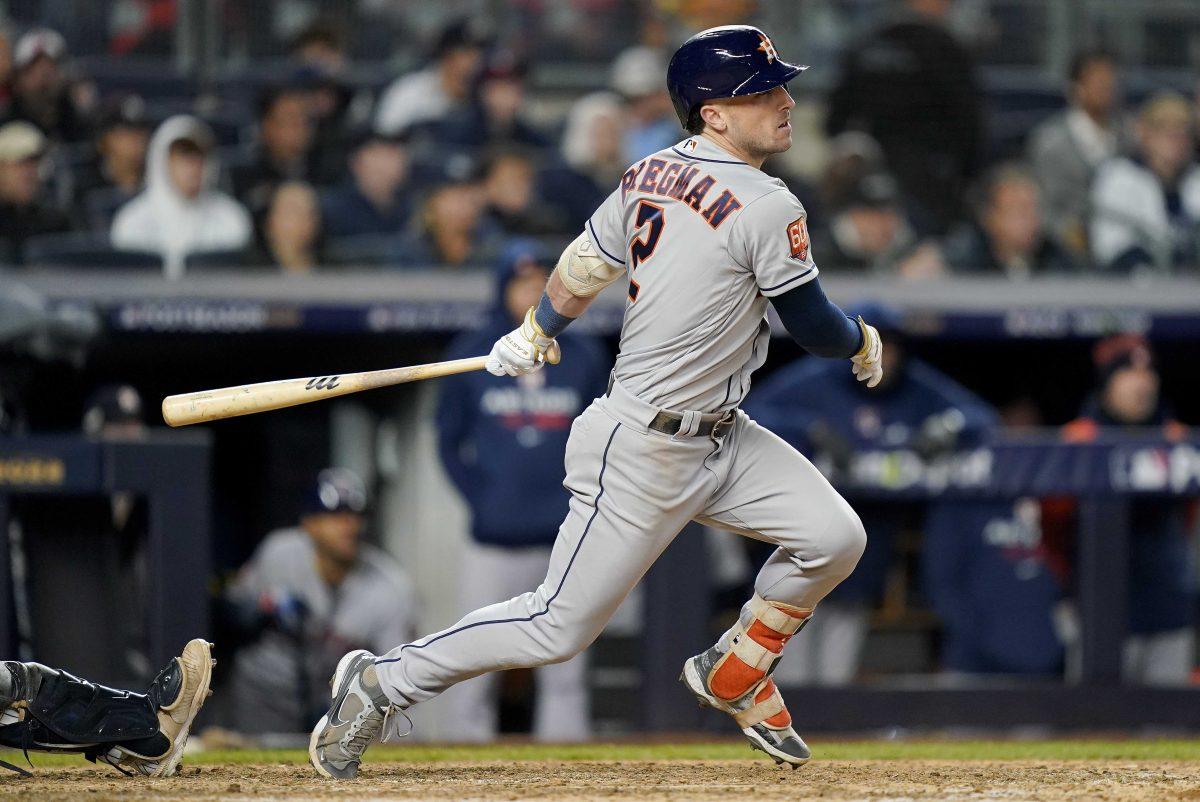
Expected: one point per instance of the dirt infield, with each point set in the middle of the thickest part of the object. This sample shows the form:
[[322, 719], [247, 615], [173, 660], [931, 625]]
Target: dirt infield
[[642, 780]]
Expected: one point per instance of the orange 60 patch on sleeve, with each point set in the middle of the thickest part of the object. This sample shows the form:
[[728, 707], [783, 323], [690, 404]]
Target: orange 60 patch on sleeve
[[797, 232]]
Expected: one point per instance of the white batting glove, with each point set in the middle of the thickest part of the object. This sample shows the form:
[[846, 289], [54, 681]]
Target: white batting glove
[[523, 350], [868, 362]]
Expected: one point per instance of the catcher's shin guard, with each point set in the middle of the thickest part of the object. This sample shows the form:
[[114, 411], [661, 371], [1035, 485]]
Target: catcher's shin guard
[[734, 677], [54, 711]]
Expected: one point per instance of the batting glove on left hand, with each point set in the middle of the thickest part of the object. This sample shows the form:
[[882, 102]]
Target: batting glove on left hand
[[868, 362], [523, 350]]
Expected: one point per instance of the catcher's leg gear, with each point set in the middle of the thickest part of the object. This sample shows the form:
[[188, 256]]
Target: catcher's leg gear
[[54, 711], [734, 677]]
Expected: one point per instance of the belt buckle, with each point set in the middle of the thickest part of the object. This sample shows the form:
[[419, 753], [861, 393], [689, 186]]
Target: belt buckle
[[718, 429]]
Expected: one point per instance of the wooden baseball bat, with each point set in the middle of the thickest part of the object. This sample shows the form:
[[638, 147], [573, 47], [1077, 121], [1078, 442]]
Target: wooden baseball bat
[[247, 399]]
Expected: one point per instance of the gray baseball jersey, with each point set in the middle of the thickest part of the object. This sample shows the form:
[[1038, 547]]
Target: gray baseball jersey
[[706, 239]]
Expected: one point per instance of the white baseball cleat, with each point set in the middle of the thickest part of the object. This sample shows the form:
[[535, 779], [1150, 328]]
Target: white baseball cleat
[[760, 713]]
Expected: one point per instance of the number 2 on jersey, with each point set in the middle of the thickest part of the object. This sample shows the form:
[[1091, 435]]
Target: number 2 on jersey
[[642, 248]]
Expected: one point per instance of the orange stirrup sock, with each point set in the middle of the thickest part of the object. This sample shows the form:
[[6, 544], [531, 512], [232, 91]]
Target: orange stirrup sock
[[754, 651]]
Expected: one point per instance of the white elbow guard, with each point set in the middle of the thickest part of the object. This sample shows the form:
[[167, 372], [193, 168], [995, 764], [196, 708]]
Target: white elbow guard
[[582, 271]]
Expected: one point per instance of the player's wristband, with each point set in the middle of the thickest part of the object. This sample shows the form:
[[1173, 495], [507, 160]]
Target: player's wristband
[[549, 321]]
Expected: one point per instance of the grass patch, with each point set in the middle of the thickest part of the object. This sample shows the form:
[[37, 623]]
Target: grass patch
[[1082, 749]]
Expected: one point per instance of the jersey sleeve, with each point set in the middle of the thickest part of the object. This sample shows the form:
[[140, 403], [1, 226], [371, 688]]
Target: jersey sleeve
[[770, 239], [606, 229]]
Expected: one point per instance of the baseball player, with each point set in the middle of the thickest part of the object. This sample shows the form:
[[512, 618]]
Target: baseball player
[[49, 710], [707, 240]]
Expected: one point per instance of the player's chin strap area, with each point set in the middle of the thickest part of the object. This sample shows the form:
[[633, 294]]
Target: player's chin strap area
[[751, 652]]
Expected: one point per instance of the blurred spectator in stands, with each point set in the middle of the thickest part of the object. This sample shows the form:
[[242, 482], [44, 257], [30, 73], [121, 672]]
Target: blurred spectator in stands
[[116, 171], [511, 201], [1065, 150], [1146, 207], [869, 233], [450, 229], [6, 71], [144, 28], [427, 96], [593, 159], [309, 594], [41, 93], [372, 200], [501, 444], [23, 213], [1008, 237], [282, 151], [913, 87], [494, 116], [1160, 649], [853, 155], [181, 211], [915, 408], [651, 124], [337, 109], [290, 235]]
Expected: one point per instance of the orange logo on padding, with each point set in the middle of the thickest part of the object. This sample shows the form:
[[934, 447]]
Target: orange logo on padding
[[797, 232], [767, 48]]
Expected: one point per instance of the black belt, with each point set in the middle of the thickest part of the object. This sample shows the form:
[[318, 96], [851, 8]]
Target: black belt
[[670, 423]]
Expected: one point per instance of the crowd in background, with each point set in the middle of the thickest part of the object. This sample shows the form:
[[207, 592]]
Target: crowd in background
[[445, 163]]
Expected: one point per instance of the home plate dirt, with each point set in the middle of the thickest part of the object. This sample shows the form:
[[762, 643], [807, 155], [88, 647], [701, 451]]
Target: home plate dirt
[[889, 780]]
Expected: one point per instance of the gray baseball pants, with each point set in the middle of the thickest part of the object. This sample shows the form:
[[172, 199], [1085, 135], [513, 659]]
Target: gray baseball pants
[[632, 490]]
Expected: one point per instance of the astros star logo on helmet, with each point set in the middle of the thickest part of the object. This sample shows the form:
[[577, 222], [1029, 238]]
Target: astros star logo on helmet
[[767, 48]]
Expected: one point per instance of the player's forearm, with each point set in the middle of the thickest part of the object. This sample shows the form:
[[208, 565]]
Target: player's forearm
[[816, 324], [558, 307]]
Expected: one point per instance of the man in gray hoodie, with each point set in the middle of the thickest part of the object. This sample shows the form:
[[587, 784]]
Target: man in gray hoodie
[[181, 212]]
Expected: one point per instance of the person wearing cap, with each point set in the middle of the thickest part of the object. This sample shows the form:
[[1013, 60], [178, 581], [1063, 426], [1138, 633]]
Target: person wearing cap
[[116, 172], [511, 200], [450, 229], [23, 212], [181, 211], [868, 230], [501, 443], [493, 116], [40, 91], [307, 594], [1009, 237], [429, 95], [1160, 647], [811, 405], [372, 200], [1146, 206], [651, 125]]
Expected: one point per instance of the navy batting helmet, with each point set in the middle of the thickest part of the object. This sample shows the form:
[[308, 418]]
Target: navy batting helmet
[[730, 61]]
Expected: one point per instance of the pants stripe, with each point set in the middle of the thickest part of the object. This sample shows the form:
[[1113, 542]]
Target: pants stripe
[[566, 572]]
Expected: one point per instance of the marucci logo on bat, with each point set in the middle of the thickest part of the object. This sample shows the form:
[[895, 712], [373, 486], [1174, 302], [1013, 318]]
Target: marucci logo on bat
[[322, 383]]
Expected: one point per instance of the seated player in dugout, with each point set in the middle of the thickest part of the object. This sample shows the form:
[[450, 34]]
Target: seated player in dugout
[[49, 710], [307, 595], [708, 240]]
